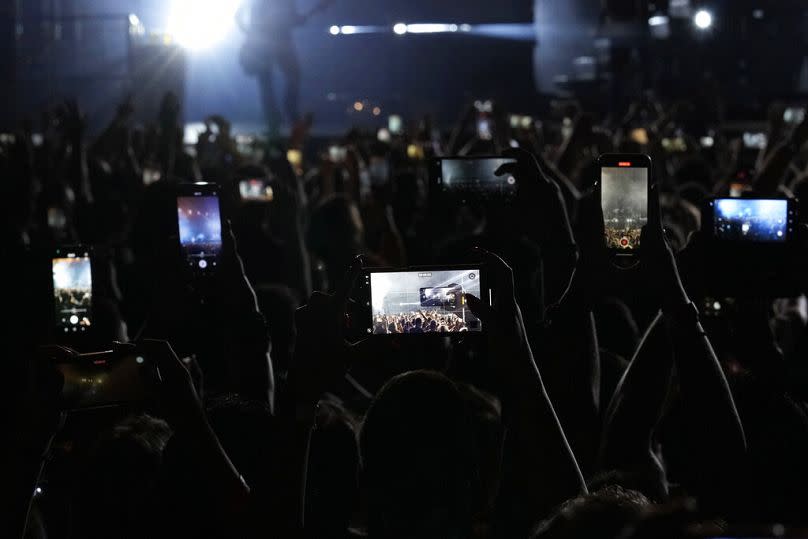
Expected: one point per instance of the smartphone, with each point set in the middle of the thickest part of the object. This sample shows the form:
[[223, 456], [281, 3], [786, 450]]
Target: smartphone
[[337, 154], [473, 178], [102, 379], [674, 145], [639, 136], [484, 127], [755, 141], [752, 220], [624, 186], [395, 125], [419, 301], [794, 115], [199, 223], [72, 290], [256, 190]]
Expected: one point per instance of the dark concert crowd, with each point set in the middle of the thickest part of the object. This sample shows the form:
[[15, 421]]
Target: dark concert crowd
[[222, 371]]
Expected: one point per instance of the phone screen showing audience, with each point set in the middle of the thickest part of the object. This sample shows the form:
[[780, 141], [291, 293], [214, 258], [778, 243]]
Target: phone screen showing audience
[[200, 229], [72, 291], [475, 178], [624, 201], [423, 301], [752, 220]]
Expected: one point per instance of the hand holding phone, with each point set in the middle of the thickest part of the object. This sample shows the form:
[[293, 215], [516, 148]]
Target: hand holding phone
[[473, 178], [751, 220]]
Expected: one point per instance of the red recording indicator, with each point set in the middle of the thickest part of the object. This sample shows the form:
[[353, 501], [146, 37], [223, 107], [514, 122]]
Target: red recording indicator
[[624, 164]]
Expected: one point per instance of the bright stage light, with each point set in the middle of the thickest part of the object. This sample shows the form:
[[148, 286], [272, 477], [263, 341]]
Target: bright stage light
[[703, 19], [348, 29], [334, 30], [201, 24], [400, 28]]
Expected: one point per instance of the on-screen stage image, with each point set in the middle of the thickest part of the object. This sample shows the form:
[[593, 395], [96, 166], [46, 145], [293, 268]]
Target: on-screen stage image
[[624, 199], [751, 220], [200, 226], [415, 302], [72, 289]]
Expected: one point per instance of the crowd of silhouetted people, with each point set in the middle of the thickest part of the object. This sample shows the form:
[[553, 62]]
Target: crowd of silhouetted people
[[664, 397]]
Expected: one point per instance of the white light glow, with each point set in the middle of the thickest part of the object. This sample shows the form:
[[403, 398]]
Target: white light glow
[[348, 29], [703, 19], [400, 28], [428, 28], [658, 20], [201, 24], [334, 30]]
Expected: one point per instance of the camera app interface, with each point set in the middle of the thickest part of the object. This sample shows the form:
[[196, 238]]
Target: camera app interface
[[200, 230], [751, 220], [423, 301], [624, 199], [101, 381], [476, 177], [255, 189], [73, 291]]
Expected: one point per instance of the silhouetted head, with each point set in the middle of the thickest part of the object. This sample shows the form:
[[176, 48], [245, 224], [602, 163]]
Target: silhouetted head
[[418, 458]]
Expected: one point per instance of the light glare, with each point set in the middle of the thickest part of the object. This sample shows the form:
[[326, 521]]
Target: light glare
[[400, 28], [201, 24], [703, 19]]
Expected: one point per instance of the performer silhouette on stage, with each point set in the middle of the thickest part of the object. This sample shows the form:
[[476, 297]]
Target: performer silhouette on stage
[[268, 25]]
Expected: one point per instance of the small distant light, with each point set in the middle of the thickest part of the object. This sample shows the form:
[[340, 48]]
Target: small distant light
[[38, 490], [358, 106], [758, 14], [453, 28], [658, 20], [717, 306], [400, 28], [465, 28], [703, 19], [377, 111], [133, 19], [348, 29], [334, 30], [139, 360]]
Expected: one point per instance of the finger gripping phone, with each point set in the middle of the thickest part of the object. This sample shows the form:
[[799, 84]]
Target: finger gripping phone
[[624, 187], [72, 290], [421, 301], [199, 224]]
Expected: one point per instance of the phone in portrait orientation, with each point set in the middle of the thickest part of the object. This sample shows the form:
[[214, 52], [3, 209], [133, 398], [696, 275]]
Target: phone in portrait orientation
[[420, 301], [72, 290], [794, 115], [751, 220], [624, 186], [472, 178], [395, 125], [199, 223], [103, 379], [256, 190]]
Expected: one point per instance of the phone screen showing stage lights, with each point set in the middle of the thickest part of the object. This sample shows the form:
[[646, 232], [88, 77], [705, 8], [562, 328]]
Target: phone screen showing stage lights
[[624, 200], [73, 291], [423, 301], [200, 229], [752, 220]]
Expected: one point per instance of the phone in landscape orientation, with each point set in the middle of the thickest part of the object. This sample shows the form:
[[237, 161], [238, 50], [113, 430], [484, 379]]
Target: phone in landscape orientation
[[337, 154], [102, 379], [751, 220], [418, 301], [755, 140], [200, 226], [624, 186], [794, 115], [473, 178], [72, 290], [256, 190]]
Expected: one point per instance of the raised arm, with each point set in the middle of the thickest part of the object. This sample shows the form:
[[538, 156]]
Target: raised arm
[[539, 468], [776, 165]]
